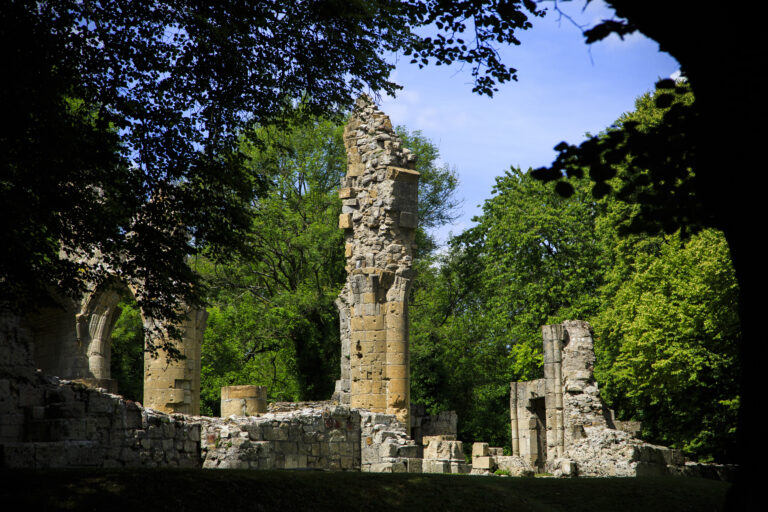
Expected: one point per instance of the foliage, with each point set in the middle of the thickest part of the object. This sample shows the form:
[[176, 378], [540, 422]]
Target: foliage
[[145, 167], [273, 321], [661, 183], [668, 326], [664, 309], [532, 259], [667, 338], [127, 360]]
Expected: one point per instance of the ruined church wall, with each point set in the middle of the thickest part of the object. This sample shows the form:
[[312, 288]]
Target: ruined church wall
[[46, 423], [581, 438], [174, 386], [71, 339]]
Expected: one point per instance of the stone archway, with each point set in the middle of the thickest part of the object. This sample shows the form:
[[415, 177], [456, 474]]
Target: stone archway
[[72, 339]]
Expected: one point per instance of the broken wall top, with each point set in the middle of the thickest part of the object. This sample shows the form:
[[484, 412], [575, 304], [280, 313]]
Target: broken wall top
[[379, 196]]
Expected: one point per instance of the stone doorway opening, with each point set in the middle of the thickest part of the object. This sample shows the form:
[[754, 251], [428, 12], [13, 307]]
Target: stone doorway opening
[[539, 409]]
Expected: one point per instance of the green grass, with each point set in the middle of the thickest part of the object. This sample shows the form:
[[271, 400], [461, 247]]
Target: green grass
[[214, 490]]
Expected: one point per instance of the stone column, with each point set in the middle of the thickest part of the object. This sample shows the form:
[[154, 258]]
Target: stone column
[[513, 418], [243, 400], [553, 336], [583, 406], [379, 215], [174, 386]]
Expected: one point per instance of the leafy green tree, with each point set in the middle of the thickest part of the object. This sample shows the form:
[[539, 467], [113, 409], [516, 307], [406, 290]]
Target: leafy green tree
[[667, 342], [127, 361], [533, 258], [273, 320], [150, 169], [668, 326]]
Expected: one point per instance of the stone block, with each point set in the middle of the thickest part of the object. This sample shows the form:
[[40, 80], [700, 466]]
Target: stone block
[[483, 463], [436, 466], [388, 449], [373, 322], [460, 468], [408, 220], [479, 450], [295, 461], [396, 358], [396, 371], [414, 465], [403, 175], [410, 451], [439, 448], [345, 221]]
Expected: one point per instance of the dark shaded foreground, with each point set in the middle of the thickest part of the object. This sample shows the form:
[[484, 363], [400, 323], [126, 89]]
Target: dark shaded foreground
[[206, 490]]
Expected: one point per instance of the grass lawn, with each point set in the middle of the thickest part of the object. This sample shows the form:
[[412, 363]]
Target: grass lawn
[[230, 490]]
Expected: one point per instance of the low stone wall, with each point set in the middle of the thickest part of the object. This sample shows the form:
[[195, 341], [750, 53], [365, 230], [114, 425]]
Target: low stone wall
[[48, 423], [441, 424], [444, 454], [386, 446], [486, 460], [326, 437]]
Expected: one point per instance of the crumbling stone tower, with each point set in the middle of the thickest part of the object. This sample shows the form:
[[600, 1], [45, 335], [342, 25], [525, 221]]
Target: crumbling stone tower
[[379, 216]]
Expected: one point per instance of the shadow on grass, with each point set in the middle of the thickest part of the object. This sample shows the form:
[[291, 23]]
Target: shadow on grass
[[207, 490]]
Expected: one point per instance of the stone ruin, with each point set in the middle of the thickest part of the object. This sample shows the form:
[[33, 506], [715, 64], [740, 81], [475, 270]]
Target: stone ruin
[[559, 423], [379, 216], [71, 339]]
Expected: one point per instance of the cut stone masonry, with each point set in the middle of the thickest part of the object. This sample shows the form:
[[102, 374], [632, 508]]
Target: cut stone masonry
[[379, 216], [561, 425]]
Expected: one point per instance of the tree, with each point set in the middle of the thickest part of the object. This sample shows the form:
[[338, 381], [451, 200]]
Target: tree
[[273, 321], [123, 139], [719, 143], [666, 341], [533, 258], [127, 358]]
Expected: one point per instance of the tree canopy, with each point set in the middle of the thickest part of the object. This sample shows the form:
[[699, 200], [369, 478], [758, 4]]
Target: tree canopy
[[122, 136]]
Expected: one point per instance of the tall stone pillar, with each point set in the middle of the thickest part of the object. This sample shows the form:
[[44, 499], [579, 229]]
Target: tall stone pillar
[[379, 215], [553, 337], [174, 386]]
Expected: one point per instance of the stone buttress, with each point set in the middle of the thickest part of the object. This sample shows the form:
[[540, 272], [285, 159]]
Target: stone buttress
[[379, 215]]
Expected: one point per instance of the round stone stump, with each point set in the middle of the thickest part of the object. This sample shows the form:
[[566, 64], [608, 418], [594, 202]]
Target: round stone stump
[[243, 400]]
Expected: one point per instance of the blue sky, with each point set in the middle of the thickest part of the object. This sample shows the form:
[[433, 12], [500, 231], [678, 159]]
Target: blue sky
[[564, 90]]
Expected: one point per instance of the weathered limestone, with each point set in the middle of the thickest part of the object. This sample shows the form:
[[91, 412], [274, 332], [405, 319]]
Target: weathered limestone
[[324, 437], [47, 422], [379, 215], [444, 454], [441, 424], [386, 447], [71, 339], [174, 386], [243, 400], [560, 424]]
